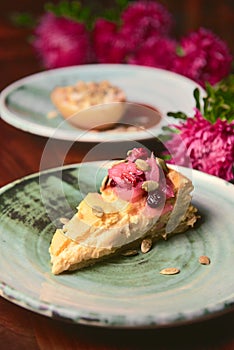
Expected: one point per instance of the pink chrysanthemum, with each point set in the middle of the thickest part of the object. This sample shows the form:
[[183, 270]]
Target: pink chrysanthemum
[[109, 46], [144, 19], [61, 42], [204, 58], [157, 52], [143, 23], [210, 147]]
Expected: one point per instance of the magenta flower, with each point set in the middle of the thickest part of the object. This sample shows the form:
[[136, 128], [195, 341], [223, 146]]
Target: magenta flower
[[157, 52], [204, 57], [126, 180], [137, 153], [210, 147], [141, 21], [61, 42], [144, 19], [140, 36], [126, 175], [109, 46]]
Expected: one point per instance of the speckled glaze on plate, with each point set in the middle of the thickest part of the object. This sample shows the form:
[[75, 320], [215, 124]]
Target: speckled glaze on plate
[[26, 103], [124, 291]]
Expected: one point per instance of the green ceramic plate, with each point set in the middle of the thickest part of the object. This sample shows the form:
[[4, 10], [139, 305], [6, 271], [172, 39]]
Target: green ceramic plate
[[26, 103], [120, 292]]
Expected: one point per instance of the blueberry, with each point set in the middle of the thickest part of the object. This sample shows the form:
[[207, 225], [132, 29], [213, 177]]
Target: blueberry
[[155, 198], [112, 183]]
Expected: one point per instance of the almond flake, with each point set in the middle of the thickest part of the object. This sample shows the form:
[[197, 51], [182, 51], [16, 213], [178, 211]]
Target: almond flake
[[97, 211], [130, 252], [150, 185], [146, 245], [142, 165], [162, 164], [204, 260], [64, 221], [52, 114], [170, 271]]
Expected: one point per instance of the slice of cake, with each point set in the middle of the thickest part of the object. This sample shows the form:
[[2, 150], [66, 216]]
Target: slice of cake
[[140, 197]]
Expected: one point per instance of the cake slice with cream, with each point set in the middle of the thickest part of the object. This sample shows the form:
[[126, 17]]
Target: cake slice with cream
[[140, 197]]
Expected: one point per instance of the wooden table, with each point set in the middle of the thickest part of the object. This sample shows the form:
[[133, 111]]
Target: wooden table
[[20, 155]]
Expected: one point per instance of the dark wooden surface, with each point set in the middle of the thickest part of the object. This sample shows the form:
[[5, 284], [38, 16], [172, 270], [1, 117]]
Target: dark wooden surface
[[20, 155]]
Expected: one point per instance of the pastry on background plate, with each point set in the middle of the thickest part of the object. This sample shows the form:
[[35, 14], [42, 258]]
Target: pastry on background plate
[[141, 197], [69, 100]]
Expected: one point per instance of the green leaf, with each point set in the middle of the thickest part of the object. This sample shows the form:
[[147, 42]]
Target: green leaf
[[166, 157], [217, 104], [71, 9], [219, 101], [170, 129], [177, 115], [88, 15], [23, 19], [114, 13], [122, 3], [196, 94], [179, 51]]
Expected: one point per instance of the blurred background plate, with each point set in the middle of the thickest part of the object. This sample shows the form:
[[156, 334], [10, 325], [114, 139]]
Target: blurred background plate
[[26, 103]]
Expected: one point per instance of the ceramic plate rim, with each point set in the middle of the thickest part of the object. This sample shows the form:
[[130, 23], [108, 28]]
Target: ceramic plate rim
[[47, 309], [78, 134]]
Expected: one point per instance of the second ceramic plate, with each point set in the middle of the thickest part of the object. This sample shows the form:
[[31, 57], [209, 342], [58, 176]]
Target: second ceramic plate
[[26, 103]]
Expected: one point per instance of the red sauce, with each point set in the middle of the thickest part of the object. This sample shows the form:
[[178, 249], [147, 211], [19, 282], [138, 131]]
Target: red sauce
[[138, 116]]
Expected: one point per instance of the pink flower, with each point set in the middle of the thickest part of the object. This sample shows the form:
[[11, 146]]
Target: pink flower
[[204, 58], [61, 42], [109, 46], [141, 21], [126, 180], [144, 19], [126, 175], [137, 153], [153, 173], [157, 52], [210, 147]]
